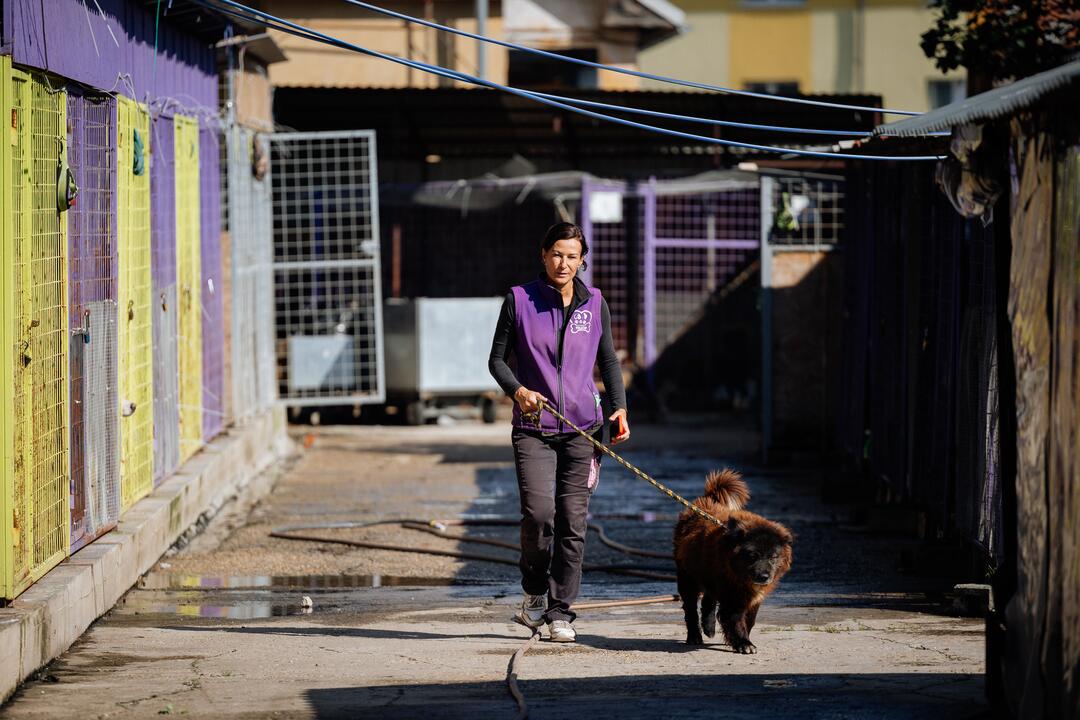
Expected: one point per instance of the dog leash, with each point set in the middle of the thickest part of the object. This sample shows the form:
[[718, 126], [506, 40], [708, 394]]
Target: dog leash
[[534, 418]]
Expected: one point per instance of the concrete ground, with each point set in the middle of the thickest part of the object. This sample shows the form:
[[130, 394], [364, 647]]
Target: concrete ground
[[218, 628]]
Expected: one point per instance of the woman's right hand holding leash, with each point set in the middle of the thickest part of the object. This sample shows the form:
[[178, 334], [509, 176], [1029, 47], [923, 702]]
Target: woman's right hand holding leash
[[528, 400]]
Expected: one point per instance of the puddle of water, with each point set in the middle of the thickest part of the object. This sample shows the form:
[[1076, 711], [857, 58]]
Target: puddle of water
[[252, 597], [171, 581], [232, 611]]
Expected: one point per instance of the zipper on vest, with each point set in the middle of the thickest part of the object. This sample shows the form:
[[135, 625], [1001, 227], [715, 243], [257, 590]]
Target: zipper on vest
[[560, 338], [560, 344]]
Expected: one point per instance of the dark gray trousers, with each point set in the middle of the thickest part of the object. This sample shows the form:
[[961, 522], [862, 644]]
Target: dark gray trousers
[[556, 476]]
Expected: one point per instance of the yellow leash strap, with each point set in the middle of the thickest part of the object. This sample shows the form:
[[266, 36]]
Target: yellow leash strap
[[544, 405]]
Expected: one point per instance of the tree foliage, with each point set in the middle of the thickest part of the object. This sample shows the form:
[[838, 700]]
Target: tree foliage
[[1002, 38]]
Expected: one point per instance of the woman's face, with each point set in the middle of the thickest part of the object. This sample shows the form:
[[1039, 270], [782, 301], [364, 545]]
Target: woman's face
[[562, 261]]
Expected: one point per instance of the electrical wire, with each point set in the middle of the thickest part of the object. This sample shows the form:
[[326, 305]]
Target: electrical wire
[[713, 121], [684, 118], [612, 68], [277, 23], [694, 119]]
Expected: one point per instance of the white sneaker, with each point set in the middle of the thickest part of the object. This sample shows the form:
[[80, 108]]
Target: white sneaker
[[561, 631], [531, 614]]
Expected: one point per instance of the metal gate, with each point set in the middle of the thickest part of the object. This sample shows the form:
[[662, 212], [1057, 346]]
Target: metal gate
[[34, 493], [95, 422], [802, 221], [135, 348], [701, 239], [188, 283], [660, 250], [249, 220], [611, 220], [211, 284], [166, 429], [326, 268]]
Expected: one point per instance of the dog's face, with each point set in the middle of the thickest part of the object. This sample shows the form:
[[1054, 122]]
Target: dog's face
[[760, 554]]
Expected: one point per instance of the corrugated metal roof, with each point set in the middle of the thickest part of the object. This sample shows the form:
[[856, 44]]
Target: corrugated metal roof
[[995, 103]]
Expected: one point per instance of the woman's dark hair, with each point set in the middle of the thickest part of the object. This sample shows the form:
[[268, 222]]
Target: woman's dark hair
[[567, 231]]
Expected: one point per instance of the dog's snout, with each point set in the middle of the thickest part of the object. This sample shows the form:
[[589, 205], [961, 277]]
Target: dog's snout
[[761, 578]]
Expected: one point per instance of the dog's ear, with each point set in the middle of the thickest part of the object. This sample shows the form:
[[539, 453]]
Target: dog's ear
[[735, 529]]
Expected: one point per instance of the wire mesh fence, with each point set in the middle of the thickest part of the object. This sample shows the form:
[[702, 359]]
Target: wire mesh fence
[[328, 310], [35, 492], [660, 250], [698, 243], [211, 285], [808, 210], [135, 359], [614, 247], [188, 283], [165, 299], [265, 291], [248, 217], [801, 281], [49, 333], [95, 430], [17, 530]]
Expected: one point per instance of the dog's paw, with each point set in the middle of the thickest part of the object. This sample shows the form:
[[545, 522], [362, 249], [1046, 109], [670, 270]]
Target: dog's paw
[[694, 640], [747, 648]]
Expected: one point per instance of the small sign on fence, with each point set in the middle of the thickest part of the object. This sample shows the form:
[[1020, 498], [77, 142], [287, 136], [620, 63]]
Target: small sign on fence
[[605, 206]]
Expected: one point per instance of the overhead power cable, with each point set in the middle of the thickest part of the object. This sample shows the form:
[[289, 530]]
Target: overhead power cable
[[612, 68], [713, 121], [701, 120], [277, 23]]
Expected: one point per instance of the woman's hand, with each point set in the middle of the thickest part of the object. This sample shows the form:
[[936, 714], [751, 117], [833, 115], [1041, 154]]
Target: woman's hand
[[623, 431], [528, 400]]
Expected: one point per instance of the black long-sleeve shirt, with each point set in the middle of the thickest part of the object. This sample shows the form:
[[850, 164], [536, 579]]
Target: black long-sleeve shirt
[[502, 346]]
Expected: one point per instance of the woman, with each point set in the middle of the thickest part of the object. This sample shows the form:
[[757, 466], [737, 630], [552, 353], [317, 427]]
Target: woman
[[557, 329]]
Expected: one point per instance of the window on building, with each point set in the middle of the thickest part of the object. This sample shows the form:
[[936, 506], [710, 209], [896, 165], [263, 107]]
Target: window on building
[[774, 87], [536, 72], [945, 92]]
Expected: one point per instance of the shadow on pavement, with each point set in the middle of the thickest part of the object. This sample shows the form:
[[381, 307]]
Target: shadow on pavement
[[340, 631], [889, 696], [447, 452]]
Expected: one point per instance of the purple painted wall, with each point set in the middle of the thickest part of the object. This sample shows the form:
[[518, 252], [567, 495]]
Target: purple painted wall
[[58, 35], [213, 321], [162, 202]]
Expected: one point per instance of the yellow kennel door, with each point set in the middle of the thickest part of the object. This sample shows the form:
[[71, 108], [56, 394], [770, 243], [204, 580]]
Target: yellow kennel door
[[134, 338], [34, 511], [188, 283]]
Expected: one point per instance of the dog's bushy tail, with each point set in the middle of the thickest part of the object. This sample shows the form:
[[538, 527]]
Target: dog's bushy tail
[[727, 488]]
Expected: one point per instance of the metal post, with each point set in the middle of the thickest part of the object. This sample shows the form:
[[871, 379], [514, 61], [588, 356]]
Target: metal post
[[710, 252], [481, 47], [767, 210], [632, 224], [585, 222], [650, 276], [395, 261]]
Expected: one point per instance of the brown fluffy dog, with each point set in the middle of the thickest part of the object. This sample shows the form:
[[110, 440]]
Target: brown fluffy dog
[[732, 566]]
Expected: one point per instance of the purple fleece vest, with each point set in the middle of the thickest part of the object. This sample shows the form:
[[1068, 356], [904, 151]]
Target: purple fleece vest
[[571, 389]]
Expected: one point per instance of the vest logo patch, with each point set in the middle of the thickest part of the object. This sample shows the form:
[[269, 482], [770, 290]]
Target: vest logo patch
[[581, 322]]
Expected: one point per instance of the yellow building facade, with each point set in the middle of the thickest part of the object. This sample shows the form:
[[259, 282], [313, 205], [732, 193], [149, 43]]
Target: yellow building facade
[[812, 46]]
